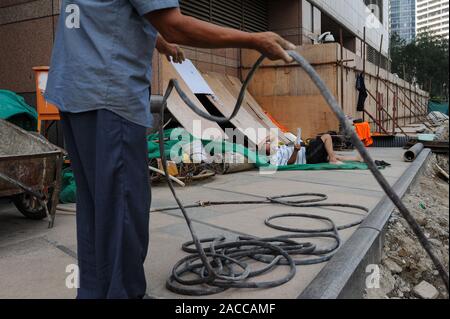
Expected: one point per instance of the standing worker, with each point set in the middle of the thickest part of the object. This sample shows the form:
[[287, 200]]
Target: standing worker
[[99, 79]]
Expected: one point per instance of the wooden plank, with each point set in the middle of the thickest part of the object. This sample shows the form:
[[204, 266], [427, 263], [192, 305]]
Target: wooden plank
[[225, 102], [288, 81], [233, 85], [311, 113], [234, 91], [183, 114], [253, 105]]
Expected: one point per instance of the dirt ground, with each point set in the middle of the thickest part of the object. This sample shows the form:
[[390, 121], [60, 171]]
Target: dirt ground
[[405, 263]]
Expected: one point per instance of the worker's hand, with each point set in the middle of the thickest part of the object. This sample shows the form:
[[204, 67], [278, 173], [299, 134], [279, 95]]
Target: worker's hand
[[174, 53], [297, 147], [273, 46]]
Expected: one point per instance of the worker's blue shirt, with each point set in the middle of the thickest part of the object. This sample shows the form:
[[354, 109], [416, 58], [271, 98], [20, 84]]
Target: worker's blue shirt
[[102, 57]]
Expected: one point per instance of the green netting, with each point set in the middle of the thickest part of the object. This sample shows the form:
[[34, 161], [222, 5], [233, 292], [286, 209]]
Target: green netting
[[14, 109], [438, 107]]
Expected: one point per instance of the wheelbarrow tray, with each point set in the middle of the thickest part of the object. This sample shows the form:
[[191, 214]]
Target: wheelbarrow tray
[[30, 160]]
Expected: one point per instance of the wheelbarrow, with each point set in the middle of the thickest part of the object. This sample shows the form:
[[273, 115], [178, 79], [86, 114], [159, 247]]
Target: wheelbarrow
[[30, 172]]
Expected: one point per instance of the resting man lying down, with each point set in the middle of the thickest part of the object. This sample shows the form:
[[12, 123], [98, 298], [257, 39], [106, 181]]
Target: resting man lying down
[[318, 151]]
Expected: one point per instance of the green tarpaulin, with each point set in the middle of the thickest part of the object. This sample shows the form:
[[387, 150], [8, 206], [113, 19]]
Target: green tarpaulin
[[181, 137], [323, 167], [174, 140], [438, 107], [68, 187], [14, 109]]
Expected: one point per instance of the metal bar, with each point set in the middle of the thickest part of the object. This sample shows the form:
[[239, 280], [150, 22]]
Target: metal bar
[[341, 34], [416, 115], [56, 190], [364, 62], [376, 122], [389, 115], [276, 66], [406, 96], [25, 188], [395, 110], [378, 81], [379, 61], [410, 97], [28, 157]]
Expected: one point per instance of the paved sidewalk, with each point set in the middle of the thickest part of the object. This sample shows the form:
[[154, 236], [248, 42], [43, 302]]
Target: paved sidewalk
[[33, 259]]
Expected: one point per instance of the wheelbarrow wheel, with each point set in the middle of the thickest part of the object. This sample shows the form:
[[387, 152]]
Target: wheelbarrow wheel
[[30, 206]]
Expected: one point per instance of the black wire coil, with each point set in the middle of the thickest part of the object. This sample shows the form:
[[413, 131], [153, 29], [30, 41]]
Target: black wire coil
[[225, 256]]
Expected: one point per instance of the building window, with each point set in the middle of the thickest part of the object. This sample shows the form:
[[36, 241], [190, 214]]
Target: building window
[[376, 6]]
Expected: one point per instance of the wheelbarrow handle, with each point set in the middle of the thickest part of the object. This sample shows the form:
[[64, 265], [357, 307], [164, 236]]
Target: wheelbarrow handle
[[25, 188]]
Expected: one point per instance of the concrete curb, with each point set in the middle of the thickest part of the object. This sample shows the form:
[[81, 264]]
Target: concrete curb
[[344, 276]]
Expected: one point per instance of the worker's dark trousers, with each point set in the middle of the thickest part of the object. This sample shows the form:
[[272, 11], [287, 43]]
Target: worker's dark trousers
[[109, 160]]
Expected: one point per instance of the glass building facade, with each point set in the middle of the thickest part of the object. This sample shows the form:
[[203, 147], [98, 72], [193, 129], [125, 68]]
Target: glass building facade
[[402, 14]]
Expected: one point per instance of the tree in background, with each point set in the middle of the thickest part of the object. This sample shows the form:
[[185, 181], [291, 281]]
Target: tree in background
[[423, 61]]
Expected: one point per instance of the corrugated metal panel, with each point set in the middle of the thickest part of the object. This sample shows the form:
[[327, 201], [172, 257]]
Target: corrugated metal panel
[[255, 15], [372, 55], [376, 58], [227, 13], [200, 9], [247, 15]]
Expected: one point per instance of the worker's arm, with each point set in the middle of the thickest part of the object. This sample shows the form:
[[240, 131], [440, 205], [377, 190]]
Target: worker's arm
[[184, 30], [172, 51], [294, 156]]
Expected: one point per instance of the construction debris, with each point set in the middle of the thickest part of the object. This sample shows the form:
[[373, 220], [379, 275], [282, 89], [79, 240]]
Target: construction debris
[[405, 264], [442, 173], [437, 117], [442, 132], [425, 290], [392, 266], [406, 271]]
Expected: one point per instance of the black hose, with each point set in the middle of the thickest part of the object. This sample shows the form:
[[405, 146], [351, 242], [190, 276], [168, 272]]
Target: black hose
[[274, 251], [214, 267], [373, 168]]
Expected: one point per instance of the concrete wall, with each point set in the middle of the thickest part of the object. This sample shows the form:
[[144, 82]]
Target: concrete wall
[[26, 39], [355, 15], [301, 21], [296, 20], [285, 19]]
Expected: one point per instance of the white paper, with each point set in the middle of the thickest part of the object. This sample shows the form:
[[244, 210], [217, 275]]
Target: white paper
[[192, 77], [42, 81]]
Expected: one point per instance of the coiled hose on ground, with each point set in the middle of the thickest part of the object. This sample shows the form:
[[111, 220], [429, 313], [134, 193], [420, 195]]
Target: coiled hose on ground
[[224, 264]]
